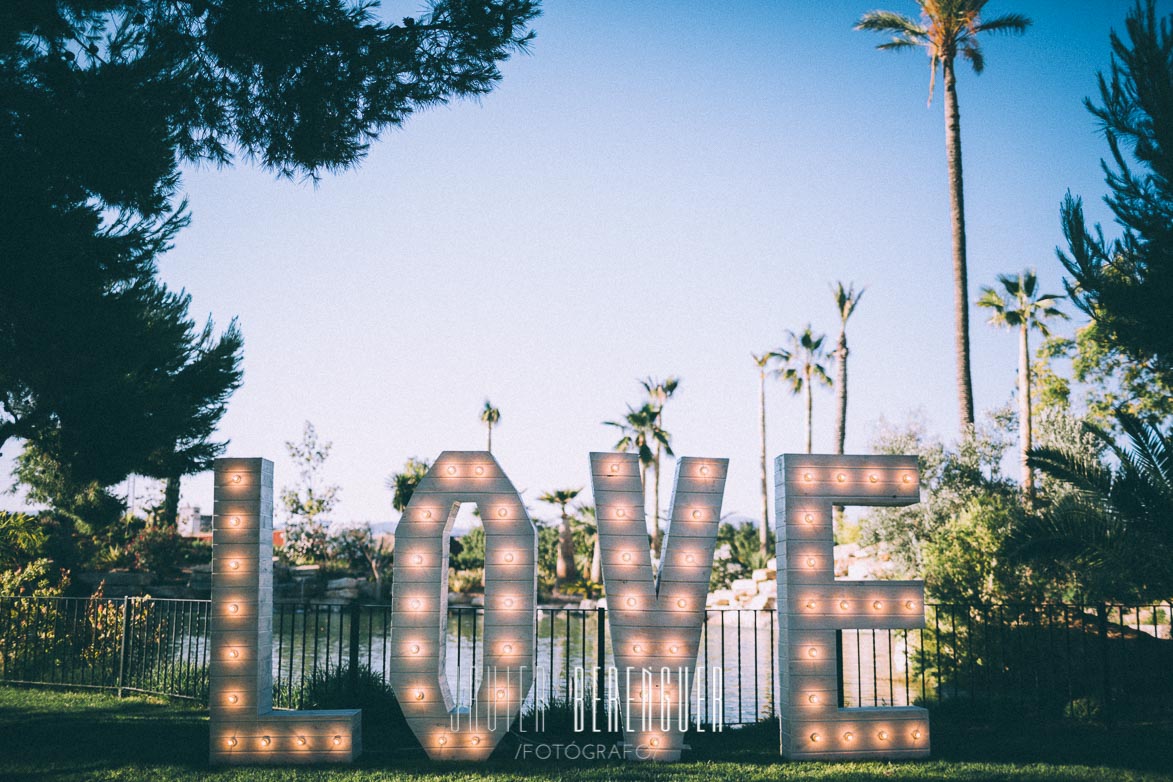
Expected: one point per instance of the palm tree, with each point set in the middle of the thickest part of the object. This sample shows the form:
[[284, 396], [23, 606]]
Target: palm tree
[[402, 484], [639, 429], [490, 415], [566, 570], [946, 29], [803, 366], [846, 300], [1020, 305], [659, 392], [763, 361]]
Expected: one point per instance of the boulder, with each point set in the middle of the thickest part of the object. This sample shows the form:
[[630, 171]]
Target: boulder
[[761, 574], [744, 586], [341, 583], [760, 602]]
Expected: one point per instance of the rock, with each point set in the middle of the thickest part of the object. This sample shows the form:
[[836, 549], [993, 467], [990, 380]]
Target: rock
[[477, 600], [761, 574], [760, 602], [744, 586], [341, 583], [768, 588], [772, 564], [342, 594], [587, 605], [719, 598]]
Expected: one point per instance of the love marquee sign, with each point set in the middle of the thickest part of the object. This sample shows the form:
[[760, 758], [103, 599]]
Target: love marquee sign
[[655, 618]]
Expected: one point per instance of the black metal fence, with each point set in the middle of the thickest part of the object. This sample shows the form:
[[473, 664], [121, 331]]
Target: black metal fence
[[1116, 659]]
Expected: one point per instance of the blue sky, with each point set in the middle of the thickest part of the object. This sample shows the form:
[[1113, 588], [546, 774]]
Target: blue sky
[[660, 188]]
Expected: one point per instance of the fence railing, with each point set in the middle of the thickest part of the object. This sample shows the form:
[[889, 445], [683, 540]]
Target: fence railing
[[1049, 656]]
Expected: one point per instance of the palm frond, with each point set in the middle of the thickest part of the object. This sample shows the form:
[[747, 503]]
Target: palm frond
[[1011, 24], [891, 22]]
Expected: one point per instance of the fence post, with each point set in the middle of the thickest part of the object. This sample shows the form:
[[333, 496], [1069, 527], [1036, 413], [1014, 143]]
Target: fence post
[[124, 644], [355, 621], [600, 652], [1103, 611]]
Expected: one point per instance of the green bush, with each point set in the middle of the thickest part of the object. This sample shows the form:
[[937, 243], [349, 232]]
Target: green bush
[[164, 552]]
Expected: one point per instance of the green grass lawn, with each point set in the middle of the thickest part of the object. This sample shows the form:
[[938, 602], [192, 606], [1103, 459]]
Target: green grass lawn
[[53, 735]]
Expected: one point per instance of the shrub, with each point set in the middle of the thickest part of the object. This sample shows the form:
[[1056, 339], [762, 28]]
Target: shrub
[[163, 551]]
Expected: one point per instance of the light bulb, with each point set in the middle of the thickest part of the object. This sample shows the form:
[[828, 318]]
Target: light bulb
[[416, 604], [813, 698], [236, 478], [673, 649], [614, 466], [479, 470], [841, 477], [233, 699], [621, 513], [690, 559], [507, 648], [234, 564], [631, 602], [476, 740], [878, 604], [443, 740], [451, 469], [500, 695], [696, 514], [232, 741], [843, 604], [417, 559], [682, 603], [415, 648], [235, 521], [233, 653], [301, 741], [654, 742], [816, 738], [806, 476], [906, 478], [848, 736], [266, 741], [810, 605], [419, 695], [872, 478], [427, 514], [502, 512], [810, 562], [704, 469], [626, 556], [336, 741], [637, 648], [916, 735], [233, 608], [509, 602], [909, 604], [812, 652], [883, 735], [809, 518], [508, 556]]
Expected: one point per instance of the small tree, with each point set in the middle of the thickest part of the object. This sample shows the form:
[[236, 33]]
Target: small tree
[[402, 484], [308, 504], [804, 364], [490, 416], [567, 569]]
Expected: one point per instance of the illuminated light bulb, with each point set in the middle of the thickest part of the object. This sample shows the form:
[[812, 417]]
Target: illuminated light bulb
[[696, 514], [621, 513], [848, 736], [416, 604], [810, 605], [236, 478], [479, 470], [443, 740], [882, 735], [266, 741], [916, 735], [451, 470], [812, 652], [507, 648], [906, 478], [673, 649], [301, 741], [909, 604], [234, 699], [231, 741], [810, 562], [626, 556], [704, 469], [233, 608], [637, 648], [234, 653], [654, 742], [682, 603], [809, 518], [417, 559], [614, 466], [872, 478], [509, 602], [235, 521], [502, 512], [841, 477], [806, 476], [690, 559], [427, 514], [878, 604], [336, 741], [816, 738], [414, 648], [509, 556], [476, 740], [813, 698], [234, 564], [419, 695], [631, 602], [500, 695], [843, 604]]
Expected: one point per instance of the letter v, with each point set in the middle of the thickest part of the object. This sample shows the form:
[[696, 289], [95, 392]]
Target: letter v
[[656, 621]]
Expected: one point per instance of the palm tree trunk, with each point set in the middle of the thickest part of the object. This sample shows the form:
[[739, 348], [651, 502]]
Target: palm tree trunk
[[566, 569], [643, 482], [806, 387], [764, 532], [841, 403], [490, 448], [1024, 411], [960, 270], [656, 505]]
